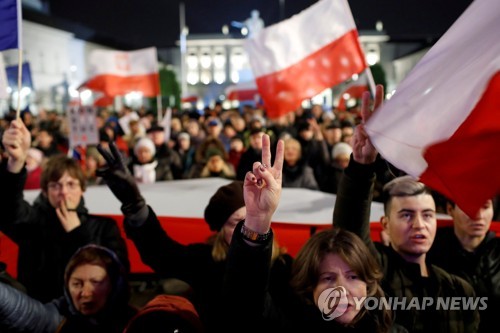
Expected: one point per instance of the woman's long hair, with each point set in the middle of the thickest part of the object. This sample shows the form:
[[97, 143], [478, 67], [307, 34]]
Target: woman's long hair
[[221, 247], [351, 249]]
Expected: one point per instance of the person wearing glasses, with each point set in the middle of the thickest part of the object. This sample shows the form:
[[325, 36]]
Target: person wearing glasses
[[49, 231]]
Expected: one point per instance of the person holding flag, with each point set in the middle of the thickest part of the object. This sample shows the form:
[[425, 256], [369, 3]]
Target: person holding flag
[[410, 222]]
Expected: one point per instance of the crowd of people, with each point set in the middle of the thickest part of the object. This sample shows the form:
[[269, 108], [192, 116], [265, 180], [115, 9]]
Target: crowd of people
[[73, 267], [213, 143]]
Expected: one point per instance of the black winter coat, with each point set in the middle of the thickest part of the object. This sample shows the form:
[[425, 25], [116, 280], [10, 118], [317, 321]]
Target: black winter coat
[[195, 265], [401, 278], [480, 268], [44, 246]]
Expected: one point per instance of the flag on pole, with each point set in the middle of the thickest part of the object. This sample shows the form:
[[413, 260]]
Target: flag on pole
[[300, 57], [118, 73], [443, 123], [10, 24]]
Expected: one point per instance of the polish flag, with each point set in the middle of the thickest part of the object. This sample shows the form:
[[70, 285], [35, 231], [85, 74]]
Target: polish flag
[[117, 73], [443, 123], [300, 57]]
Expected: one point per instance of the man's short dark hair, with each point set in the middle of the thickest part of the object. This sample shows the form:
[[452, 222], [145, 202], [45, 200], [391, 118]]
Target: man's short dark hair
[[405, 186]]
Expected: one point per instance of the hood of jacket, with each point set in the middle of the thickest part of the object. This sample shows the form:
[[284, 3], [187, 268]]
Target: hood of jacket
[[117, 302], [166, 312]]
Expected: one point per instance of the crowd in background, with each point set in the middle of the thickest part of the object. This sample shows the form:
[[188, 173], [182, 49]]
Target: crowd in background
[[73, 265], [211, 143]]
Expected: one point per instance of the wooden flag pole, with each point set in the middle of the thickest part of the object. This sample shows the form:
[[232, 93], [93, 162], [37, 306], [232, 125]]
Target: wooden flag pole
[[19, 82]]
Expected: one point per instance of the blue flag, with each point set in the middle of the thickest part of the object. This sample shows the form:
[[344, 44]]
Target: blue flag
[[10, 21], [26, 75]]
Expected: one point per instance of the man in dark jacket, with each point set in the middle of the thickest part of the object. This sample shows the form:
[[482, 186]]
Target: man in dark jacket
[[410, 221], [56, 225], [164, 153], [470, 250]]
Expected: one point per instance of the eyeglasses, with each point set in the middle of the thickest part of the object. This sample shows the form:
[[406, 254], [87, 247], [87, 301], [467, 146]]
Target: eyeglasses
[[71, 185]]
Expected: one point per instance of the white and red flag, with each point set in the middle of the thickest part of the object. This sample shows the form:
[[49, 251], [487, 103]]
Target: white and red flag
[[443, 123], [300, 57], [117, 73]]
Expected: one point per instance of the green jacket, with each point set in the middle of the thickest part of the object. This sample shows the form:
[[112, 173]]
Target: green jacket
[[401, 278]]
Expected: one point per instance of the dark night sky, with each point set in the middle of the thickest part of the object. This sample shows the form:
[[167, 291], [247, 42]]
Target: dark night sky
[[129, 24]]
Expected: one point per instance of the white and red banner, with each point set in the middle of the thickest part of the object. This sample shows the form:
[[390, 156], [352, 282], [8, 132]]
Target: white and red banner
[[117, 73], [443, 123], [300, 57]]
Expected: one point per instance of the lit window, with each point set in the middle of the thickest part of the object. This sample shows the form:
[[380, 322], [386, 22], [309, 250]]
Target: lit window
[[205, 60], [206, 77], [193, 77], [192, 61], [219, 76]]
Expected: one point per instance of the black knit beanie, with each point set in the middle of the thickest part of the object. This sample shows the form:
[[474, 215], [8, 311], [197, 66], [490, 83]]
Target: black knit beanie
[[224, 203]]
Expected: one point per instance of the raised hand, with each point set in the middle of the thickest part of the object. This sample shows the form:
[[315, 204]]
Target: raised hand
[[16, 140], [120, 180], [363, 150], [262, 187]]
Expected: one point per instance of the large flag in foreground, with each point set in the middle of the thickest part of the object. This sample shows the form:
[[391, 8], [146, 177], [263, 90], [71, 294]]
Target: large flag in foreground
[[300, 57], [118, 73], [10, 24], [443, 123]]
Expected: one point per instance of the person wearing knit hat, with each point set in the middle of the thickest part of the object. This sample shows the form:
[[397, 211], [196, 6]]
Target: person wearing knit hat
[[341, 153], [142, 145], [145, 167], [166, 313], [227, 201], [200, 265], [216, 166]]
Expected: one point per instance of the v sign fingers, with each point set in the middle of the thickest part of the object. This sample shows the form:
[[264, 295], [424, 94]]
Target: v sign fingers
[[262, 188]]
